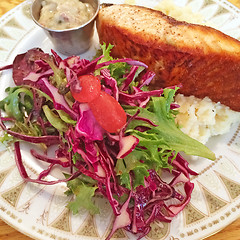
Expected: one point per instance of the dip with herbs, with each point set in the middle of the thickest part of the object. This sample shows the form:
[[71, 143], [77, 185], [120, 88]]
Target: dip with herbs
[[64, 14]]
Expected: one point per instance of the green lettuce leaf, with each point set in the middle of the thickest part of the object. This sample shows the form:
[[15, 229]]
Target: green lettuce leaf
[[59, 78], [83, 196], [138, 162], [157, 143], [65, 117], [118, 69], [166, 136], [18, 101], [54, 119], [105, 50]]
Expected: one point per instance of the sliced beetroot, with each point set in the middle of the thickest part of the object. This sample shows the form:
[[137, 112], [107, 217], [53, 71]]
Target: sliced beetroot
[[24, 64]]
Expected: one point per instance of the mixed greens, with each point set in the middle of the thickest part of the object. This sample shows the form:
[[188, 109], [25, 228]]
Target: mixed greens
[[126, 165]]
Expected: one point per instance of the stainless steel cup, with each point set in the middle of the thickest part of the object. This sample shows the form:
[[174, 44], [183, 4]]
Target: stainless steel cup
[[73, 41]]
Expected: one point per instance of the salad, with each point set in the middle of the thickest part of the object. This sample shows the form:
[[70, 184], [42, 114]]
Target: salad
[[112, 135]]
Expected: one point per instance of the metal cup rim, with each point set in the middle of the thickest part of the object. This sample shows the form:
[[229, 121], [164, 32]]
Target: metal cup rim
[[67, 29]]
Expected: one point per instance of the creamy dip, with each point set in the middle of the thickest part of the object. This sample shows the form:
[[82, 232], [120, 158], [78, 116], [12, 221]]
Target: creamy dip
[[64, 14]]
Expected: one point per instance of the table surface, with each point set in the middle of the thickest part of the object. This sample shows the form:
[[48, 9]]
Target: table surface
[[232, 232]]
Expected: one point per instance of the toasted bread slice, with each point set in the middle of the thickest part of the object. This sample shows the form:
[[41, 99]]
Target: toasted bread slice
[[204, 60]]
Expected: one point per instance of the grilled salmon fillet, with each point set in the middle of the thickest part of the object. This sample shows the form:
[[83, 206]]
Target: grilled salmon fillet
[[204, 60]]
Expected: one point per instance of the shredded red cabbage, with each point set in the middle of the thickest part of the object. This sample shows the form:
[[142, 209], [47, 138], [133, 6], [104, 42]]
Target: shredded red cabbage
[[86, 149]]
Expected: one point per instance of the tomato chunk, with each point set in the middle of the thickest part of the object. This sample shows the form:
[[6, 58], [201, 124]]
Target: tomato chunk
[[108, 112], [90, 89]]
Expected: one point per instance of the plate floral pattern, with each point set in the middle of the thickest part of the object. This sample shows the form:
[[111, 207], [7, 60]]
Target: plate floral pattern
[[39, 211]]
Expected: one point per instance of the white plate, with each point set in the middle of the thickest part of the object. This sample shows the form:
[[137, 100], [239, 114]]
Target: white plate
[[39, 211]]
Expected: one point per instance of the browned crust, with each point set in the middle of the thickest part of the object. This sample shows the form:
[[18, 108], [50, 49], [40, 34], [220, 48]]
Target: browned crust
[[175, 29], [203, 68]]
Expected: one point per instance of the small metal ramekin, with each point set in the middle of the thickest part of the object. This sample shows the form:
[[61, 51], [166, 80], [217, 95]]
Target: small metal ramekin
[[73, 41]]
